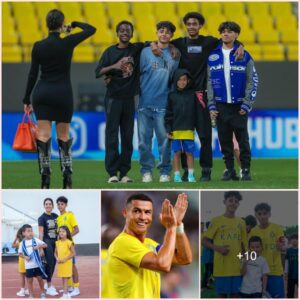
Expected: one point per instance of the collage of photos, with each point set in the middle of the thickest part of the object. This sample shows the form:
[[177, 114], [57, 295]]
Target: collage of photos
[[149, 149]]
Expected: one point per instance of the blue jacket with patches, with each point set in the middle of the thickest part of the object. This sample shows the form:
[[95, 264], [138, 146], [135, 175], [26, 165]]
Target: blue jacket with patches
[[243, 80]]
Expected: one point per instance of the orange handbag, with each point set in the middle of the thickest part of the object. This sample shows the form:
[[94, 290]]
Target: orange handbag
[[25, 138]]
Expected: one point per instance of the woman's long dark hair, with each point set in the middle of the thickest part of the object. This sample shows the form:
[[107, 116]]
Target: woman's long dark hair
[[69, 237]]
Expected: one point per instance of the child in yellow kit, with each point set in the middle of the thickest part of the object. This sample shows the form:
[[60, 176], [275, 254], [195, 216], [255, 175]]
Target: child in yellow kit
[[21, 264], [64, 252]]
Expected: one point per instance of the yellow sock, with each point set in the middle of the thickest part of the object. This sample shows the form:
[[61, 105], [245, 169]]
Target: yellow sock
[[70, 282], [76, 285]]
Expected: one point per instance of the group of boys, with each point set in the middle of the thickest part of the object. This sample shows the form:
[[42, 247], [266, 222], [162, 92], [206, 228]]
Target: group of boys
[[248, 261], [173, 111], [31, 250]]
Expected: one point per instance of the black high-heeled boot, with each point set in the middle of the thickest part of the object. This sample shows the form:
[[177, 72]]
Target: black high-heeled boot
[[65, 156], [44, 161]]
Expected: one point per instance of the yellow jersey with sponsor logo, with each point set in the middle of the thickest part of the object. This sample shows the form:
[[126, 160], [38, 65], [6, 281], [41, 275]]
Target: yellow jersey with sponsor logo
[[124, 278], [231, 232], [269, 237]]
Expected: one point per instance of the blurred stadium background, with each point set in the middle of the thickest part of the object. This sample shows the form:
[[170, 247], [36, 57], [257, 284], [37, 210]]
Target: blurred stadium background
[[181, 282], [269, 33]]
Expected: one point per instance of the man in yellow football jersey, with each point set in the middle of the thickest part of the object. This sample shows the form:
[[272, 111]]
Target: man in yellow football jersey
[[134, 261], [68, 219], [273, 244], [229, 238]]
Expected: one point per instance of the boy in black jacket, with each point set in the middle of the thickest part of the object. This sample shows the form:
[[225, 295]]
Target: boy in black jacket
[[180, 122]]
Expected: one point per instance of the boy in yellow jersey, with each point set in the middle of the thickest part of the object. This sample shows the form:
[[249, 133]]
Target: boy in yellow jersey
[[273, 244], [68, 219], [229, 237], [134, 261]]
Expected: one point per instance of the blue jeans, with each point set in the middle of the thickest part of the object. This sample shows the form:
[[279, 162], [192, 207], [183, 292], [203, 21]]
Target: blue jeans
[[152, 120]]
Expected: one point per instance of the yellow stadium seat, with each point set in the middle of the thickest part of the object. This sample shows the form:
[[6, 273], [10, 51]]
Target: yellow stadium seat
[[184, 7], [241, 20], [141, 8], [289, 36], [233, 8], [6, 9], [281, 8], [273, 52], [104, 38], [27, 49], [247, 36], [162, 9], [72, 11], [267, 37], [255, 51], [292, 52], [11, 54], [212, 24], [43, 8], [23, 9], [118, 10], [208, 9], [27, 24], [92, 9], [262, 23], [141, 20], [9, 36], [8, 22], [284, 22], [258, 8], [147, 34], [30, 37], [84, 54]]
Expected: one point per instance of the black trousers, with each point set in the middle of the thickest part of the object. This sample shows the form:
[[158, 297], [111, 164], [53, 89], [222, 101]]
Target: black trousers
[[291, 283], [204, 131], [50, 259], [229, 121], [119, 117], [208, 272]]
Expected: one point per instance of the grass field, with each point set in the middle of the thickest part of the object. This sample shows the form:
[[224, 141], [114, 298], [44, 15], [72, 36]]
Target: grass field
[[266, 174]]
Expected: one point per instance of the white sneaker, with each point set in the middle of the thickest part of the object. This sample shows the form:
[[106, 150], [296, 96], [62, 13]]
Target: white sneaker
[[75, 292], [65, 296], [147, 177], [113, 179], [51, 291], [21, 293], [70, 289], [126, 179], [164, 178], [26, 292]]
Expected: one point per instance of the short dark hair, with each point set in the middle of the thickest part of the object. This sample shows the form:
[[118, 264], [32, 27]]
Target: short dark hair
[[124, 22], [251, 221], [25, 226], [48, 199], [235, 194], [254, 239], [142, 197], [262, 206], [55, 19], [230, 26], [166, 24], [294, 236], [62, 199], [194, 15]]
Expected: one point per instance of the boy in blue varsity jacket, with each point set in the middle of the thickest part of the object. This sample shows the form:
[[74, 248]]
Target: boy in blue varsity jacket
[[231, 91]]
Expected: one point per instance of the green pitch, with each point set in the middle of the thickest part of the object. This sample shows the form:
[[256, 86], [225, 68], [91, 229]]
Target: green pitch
[[266, 174]]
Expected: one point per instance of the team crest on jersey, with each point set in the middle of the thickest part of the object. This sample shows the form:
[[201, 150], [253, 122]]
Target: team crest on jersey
[[213, 57]]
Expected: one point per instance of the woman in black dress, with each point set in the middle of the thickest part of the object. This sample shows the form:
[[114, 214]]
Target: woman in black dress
[[52, 98], [48, 234]]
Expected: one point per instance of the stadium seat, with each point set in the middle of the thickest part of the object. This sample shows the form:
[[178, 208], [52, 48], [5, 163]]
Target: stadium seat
[[268, 37], [30, 37], [118, 10], [242, 20], [247, 37], [71, 10], [142, 9], [163, 9], [233, 8], [292, 52], [255, 51], [9, 36], [281, 22], [11, 54], [281, 8], [289, 36], [212, 24], [23, 9], [141, 20], [209, 9], [258, 8], [185, 7], [84, 53], [104, 38], [6, 9], [273, 52], [262, 23], [147, 34]]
